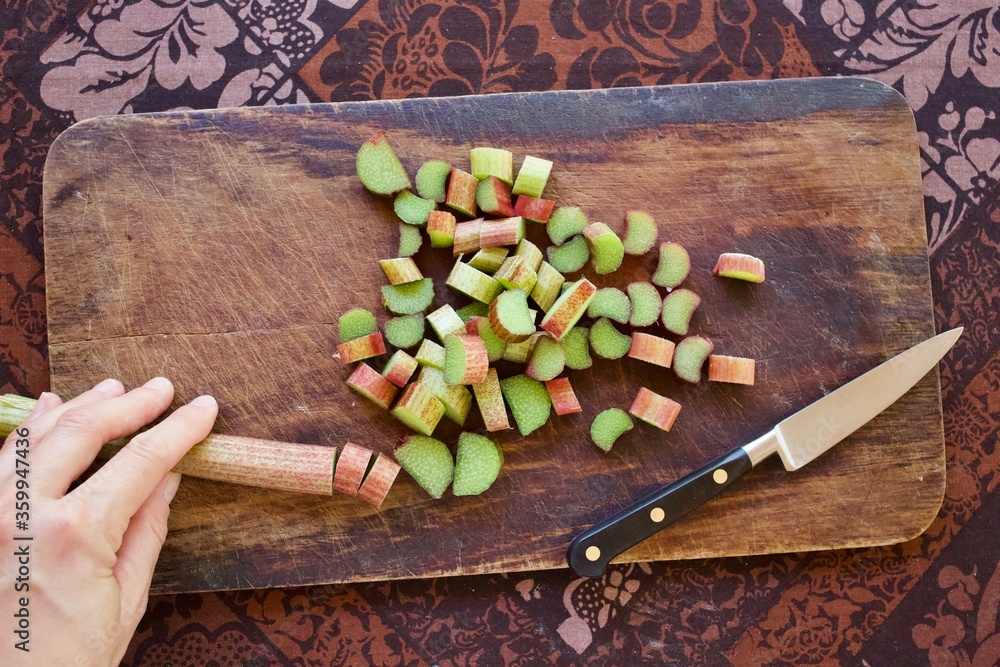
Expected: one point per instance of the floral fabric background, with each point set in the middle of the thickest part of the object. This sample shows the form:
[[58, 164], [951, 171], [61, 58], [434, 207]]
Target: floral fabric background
[[933, 600]]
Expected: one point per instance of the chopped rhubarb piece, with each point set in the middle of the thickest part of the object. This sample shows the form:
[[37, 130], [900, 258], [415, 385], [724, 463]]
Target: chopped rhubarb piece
[[456, 399], [515, 273], [410, 240], [563, 397], [445, 321], [480, 326], [465, 359], [532, 177], [565, 222], [493, 197], [400, 270], [405, 331], [739, 266], [530, 253], [640, 233], [474, 309], [608, 426], [365, 347], [606, 249], [400, 368], [547, 360], [548, 286], [510, 317], [466, 237], [473, 283], [477, 464], [607, 342], [379, 170], [431, 354], [656, 410], [576, 345], [735, 370], [689, 356], [366, 381], [432, 180], [520, 352], [429, 463], [409, 298], [646, 304], [418, 408], [506, 231], [488, 260], [528, 400], [652, 349], [378, 481], [568, 308], [441, 229], [570, 256], [355, 324], [350, 469], [611, 303], [462, 192], [673, 267], [496, 162], [411, 209], [536, 210], [678, 307], [490, 400]]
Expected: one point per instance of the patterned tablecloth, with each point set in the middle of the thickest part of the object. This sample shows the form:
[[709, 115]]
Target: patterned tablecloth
[[933, 600]]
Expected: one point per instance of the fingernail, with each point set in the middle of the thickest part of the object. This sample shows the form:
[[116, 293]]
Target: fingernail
[[106, 385], [205, 401], [44, 399], [159, 384], [171, 487]]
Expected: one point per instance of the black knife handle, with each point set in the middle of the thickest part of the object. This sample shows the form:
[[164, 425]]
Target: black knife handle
[[591, 550]]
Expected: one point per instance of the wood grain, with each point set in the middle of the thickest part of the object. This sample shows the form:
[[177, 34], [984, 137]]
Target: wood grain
[[218, 248]]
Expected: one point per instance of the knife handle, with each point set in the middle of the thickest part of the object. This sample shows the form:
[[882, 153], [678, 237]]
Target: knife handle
[[592, 550]]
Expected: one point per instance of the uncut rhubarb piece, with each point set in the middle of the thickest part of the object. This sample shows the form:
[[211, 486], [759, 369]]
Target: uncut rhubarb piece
[[418, 408], [652, 349], [429, 463], [365, 347], [740, 267], [379, 170], [576, 345], [673, 266], [432, 180], [490, 400], [640, 233], [533, 209], [400, 368], [655, 410], [355, 324], [568, 308], [473, 283], [520, 352], [606, 249], [646, 304], [350, 469], [430, 354], [734, 370], [411, 209], [400, 270], [486, 162], [410, 240], [465, 359], [456, 399], [548, 286], [532, 177], [445, 321], [493, 197], [570, 256], [480, 326], [488, 260], [506, 231], [678, 307], [563, 397], [477, 464], [515, 273], [547, 360], [366, 381], [530, 253], [466, 237], [461, 195], [689, 356], [408, 298], [528, 400], [474, 309], [441, 228], [611, 303], [565, 222], [510, 317], [379, 481], [608, 426], [607, 342], [405, 331]]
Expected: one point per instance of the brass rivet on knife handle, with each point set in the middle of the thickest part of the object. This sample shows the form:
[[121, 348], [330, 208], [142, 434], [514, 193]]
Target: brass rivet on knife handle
[[657, 514], [592, 553], [720, 476]]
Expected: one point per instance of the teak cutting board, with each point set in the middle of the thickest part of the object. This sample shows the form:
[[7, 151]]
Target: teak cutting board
[[218, 248]]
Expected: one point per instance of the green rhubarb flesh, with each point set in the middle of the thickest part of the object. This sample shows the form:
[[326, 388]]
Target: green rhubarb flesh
[[411, 209], [356, 323], [646, 304], [689, 356], [410, 240], [608, 426], [432, 180], [456, 398], [488, 260], [495, 347], [530, 253], [474, 309], [529, 402], [409, 298], [606, 249], [673, 267], [429, 463], [547, 360], [607, 342], [576, 345], [513, 313], [485, 161], [477, 464], [612, 303], [640, 233], [455, 360], [405, 331], [566, 222], [570, 256], [678, 307], [379, 170], [430, 354], [532, 177]]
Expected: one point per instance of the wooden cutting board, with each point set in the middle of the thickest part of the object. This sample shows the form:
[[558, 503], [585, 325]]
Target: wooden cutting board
[[218, 248]]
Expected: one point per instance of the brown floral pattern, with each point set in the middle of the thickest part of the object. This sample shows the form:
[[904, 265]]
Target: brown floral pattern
[[932, 601]]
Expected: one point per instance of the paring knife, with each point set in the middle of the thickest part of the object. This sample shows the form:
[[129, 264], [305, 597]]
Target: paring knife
[[797, 440]]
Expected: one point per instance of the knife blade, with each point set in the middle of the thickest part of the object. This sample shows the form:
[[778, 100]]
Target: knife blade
[[797, 440]]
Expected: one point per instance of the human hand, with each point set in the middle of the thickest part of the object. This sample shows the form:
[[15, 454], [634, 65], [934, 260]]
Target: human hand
[[92, 550]]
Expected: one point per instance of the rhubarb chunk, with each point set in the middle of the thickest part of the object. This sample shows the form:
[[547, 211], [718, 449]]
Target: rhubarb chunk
[[611, 303], [365, 347], [608, 426], [493, 197], [739, 266], [532, 177], [411, 209], [530, 253], [689, 356], [379, 480], [673, 267], [490, 400], [471, 310], [606, 249], [445, 321], [466, 237], [431, 354], [408, 298], [488, 260], [379, 170], [735, 370], [432, 180], [465, 359], [570, 256], [510, 317], [565, 222], [568, 308], [400, 270], [496, 162], [607, 342], [547, 360], [506, 231], [563, 397], [456, 399], [356, 323], [519, 352], [366, 381], [651, 349], [473, 283], [480, 326], [548, 286], [646, 304], [477, 464], [640, 233], [536, 210], [410, 240], [418, 408], [576, 345], [400, 368], [441, 228], [678, 307], [515, 273], [429, 463], [461, 195], [405, 331], [352, 462], [529, 402], [655, 410]]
